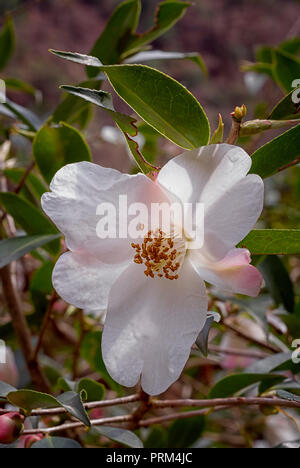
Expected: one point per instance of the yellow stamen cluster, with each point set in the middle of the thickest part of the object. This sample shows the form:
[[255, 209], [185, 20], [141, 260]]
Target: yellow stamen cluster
[[158, 254]]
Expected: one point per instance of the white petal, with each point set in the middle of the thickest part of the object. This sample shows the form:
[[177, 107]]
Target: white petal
[[232, 274], [76, 192], [84, 281], [215, 175], [151, 325], [205, 174]]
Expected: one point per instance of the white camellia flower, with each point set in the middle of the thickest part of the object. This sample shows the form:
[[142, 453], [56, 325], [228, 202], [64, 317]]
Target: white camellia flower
[[153, 289]]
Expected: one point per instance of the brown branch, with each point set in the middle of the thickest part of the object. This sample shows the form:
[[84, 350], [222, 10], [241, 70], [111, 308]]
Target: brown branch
[[75, 425], [237, 118], [287, 166], [238, 352], [45, 324], [143, 408], [21, 329], [262, 344]]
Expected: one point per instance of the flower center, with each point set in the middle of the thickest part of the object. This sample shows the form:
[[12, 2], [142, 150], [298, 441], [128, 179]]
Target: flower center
[[161, 254]]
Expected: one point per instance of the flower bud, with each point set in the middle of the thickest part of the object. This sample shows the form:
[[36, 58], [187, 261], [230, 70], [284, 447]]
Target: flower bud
[[32, 439], [239, 113], [11, 426]]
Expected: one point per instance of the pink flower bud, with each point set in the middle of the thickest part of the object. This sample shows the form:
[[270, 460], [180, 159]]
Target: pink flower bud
[[11, 426], [32, 439]]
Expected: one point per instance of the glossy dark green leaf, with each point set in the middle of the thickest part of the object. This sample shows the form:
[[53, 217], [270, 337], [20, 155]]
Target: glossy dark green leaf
[[232, 384], [278, 281], [125, 123], [286, 69], [292, 46], [184, 433], [94, 390], [272, 242], [167, 14], [72, 402], [111, 43], [20, 113], [5, 388], [276, 154], [29, 218], [7, 42], [158, 55], [16, 247], [29, 400], [160, 100], [56, 443], [122, 436], [287, 109], [70, 109], [54, 147], [104, 100]]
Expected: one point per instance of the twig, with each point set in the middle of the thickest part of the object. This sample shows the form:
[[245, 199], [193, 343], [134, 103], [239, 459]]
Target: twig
[[144, 407], [239, 332], [287, 166], [237, 118], [21, 329], [232, 401], [75, 425], [77, 347], [238, 352], [45, 324]]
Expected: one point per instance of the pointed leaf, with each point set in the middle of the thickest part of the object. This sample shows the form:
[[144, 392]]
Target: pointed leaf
[[122, 436], [16, 247], [7, 42], [56, 443], [72, 402], [229, 386], [272, 242]]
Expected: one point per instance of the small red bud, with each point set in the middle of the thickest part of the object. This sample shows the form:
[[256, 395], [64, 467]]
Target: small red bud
[[32, 439], [11, 426]]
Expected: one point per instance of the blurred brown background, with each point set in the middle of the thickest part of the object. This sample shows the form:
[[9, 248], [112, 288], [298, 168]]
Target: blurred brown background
[[225, 32]]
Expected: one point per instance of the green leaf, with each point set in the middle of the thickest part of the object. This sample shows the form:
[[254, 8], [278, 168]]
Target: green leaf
[[269, 364], [125, 123], [104, 100], [232, 384], [72, 402], [19, 85], [54, 147], [184, 433], [7, 42], [202, 340], [33, 187], [167, 14], [278, 281], [20, 113], [273, 242], [158, 55], [91, 351], [56, 443], [41, 286], [286, 109], [70, 110], [5, 389], [276, 154], [160, 100], [286, 69], [29, 218], [292, 46], [94, 390], [110, 45], [29, 400], [218, 135], [288, 396], [122, 436], [14, 248]]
